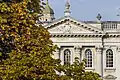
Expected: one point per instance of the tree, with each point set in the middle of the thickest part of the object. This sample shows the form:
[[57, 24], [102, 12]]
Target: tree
[[5, 41], [35, 6], [76, 71], [7, 44], [30, 58]]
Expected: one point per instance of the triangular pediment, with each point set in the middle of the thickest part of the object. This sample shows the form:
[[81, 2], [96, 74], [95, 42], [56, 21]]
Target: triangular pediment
[[72, 26]]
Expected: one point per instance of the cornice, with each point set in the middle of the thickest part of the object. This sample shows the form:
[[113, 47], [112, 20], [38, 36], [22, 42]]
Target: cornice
[[76, 35], [73, 35], [76, 22], [113, 35]]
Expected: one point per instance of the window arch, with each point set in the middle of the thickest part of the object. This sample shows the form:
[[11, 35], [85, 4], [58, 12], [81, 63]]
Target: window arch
[[109, 58], [88, 56], [67, 57]]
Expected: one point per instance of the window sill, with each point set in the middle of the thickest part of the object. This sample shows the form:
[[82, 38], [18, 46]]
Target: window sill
[[110, 69], [89, 69]]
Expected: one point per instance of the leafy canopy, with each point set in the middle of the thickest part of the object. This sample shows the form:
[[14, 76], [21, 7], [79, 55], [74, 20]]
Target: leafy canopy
[[76, 71], [30, 57]]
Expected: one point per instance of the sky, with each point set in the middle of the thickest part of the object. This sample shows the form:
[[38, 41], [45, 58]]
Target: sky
[[87, 10]]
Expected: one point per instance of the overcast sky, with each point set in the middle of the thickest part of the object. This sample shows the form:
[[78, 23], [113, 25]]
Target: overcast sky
[[88, 9]]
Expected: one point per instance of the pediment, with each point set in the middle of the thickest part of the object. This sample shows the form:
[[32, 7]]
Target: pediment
[[71, 26], [110, 77]]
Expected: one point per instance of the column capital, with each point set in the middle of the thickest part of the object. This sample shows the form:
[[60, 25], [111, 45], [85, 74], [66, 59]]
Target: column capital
[[77, 47], [58, 46], [118, 48], [99, 47]]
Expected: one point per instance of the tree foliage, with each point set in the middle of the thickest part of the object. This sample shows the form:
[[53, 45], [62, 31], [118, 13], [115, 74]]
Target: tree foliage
[[7, 12], [31, 56], [33, 5], [36, 6], [6, 41], [76, 71]]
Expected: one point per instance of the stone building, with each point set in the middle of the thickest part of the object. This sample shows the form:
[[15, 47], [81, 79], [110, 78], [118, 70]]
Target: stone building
[[97, 41]]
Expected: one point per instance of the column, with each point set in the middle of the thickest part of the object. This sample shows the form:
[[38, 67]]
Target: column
[[99, 60], [62, 55], [56, 54], [78, 52]]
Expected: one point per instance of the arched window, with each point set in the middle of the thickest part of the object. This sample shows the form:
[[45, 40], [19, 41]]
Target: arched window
[[88, 56], [67, 57], [109, 58]]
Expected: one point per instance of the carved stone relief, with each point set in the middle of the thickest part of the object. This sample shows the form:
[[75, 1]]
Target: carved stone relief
[[66, 28]]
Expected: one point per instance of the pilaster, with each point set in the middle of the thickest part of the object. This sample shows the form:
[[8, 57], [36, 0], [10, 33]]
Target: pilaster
[[57, 53], [99, 60], [78, 52]]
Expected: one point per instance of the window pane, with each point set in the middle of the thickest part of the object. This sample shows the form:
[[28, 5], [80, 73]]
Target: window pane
[[67, 55], [88, 54], [109, 58]]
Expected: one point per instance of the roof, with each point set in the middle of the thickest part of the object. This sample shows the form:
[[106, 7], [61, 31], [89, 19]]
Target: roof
[[72, 20]]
